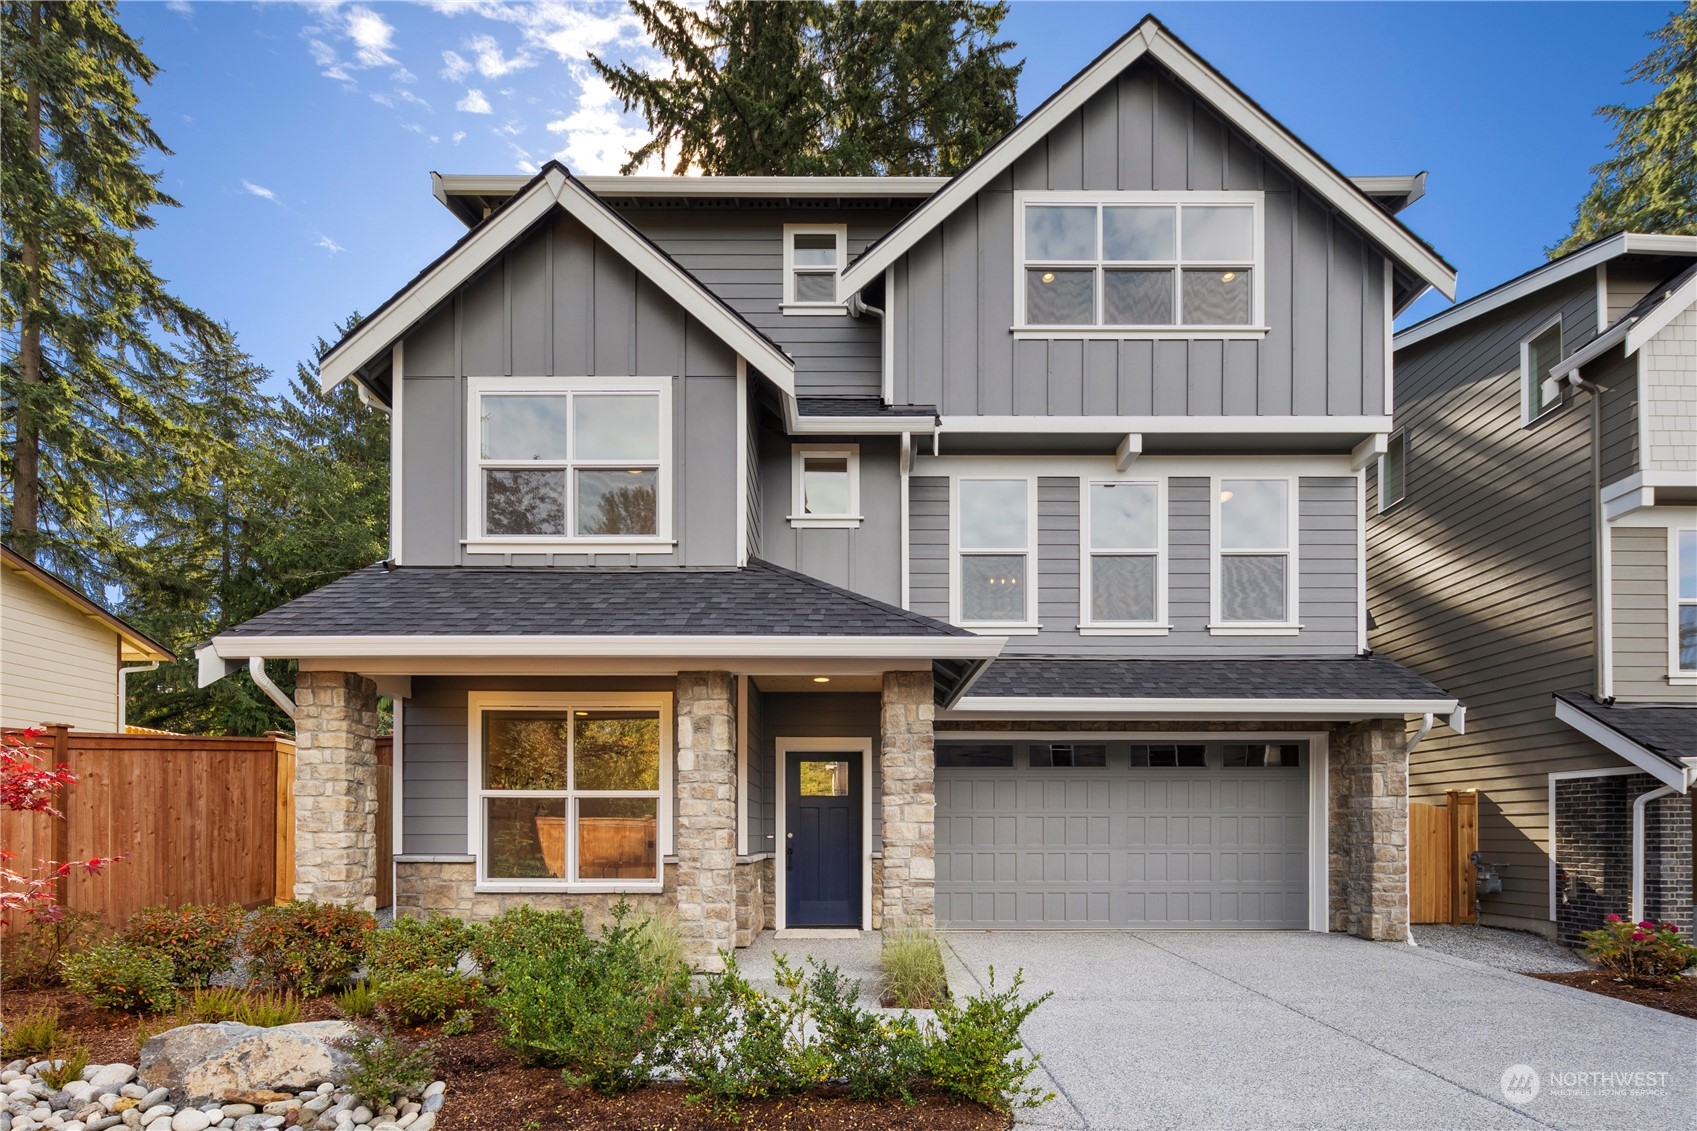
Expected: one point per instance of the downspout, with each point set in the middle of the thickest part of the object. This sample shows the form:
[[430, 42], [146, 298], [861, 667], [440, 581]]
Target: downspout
[[124, 690], [256, 669], [1639, 816], [1407, 750], [1599, 641], [1419, 735]]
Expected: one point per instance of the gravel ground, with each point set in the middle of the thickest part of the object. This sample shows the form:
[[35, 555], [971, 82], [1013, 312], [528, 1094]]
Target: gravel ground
[[1506, 950]]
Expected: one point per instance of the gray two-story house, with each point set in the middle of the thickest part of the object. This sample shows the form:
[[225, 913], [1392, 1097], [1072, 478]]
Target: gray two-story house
[[1533, 548], [838, 552]]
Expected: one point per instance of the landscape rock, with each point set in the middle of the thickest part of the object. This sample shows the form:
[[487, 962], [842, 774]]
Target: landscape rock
[[190, 1119], [241, 1063], [111, 1076]]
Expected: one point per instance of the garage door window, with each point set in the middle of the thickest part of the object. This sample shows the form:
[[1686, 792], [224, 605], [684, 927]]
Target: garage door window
[[1181, 754], [1262, 755], [1069, 755], [978, 755]]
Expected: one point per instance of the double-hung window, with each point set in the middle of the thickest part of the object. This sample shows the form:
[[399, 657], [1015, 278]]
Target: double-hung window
[[1140, 261], [570, 790], [1685, 604], [568, 462], [1255, 558], [995, 559], [826, 485], [1540, 392], [814, 255], [1123, 575]]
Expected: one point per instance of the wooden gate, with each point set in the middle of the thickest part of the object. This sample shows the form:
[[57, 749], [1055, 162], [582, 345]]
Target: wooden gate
[[1441, 843]]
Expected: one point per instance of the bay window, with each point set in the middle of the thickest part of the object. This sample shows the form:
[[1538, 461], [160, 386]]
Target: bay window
[[1123, 571], [1254, 583], [995, 556]]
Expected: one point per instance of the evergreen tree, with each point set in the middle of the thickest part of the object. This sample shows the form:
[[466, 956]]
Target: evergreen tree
[[817, 89], [93, 400], [1650, 184]]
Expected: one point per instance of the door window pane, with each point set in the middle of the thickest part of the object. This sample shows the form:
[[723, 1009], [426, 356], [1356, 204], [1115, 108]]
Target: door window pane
[[524, 428], [824, 485], [524, 502], [616, 427], [1219, 232], [1254, 514], [1137, 298], [1122, 587], [617, 750], [824, 779], [1139, 232], [1215, 297], [524, 838], [814, 249], [1122, 516], [993, 587], [1064, 233], [1252, 587], [1056, 296], [618, 502], [815, 286], [618, 838], [992, 513], [524, 751]]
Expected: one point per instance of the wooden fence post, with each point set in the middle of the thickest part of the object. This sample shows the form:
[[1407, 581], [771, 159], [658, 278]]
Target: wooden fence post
[[1464, 842], [284, 868], [60, 852]]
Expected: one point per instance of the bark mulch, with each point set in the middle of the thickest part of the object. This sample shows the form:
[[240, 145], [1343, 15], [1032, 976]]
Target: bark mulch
[[1678, 995]]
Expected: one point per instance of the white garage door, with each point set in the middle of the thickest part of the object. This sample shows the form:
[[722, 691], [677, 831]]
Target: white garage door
[[1122, 834]]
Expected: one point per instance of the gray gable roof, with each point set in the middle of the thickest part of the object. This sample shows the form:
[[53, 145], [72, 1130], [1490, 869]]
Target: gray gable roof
[[861, 406], [1369, 678], [1669, 732], [760, 600]]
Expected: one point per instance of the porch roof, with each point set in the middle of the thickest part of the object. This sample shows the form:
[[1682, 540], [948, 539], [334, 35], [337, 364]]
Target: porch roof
[[1642, 733]]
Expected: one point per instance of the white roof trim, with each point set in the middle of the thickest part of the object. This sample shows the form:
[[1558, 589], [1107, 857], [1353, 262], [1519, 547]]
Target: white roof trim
[[1625, 243], [1169, 708], [445, 185], [1409, 187], [555, 189], [1664, 312], [1617, 743], [1150, 38]]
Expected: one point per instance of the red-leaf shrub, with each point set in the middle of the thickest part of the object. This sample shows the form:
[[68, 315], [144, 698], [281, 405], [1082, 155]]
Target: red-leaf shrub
[[309, 948], [200, 938]]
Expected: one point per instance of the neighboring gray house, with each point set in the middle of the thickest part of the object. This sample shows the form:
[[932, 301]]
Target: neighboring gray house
[[847, 551], [1574, 645]]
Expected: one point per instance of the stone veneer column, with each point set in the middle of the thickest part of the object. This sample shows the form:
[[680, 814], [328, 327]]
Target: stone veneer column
[[336, 789], [1369, 830], [909, 801], [707, 815]]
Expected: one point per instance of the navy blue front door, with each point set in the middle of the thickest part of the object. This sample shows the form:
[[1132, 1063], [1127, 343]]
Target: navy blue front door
[[822, 831]]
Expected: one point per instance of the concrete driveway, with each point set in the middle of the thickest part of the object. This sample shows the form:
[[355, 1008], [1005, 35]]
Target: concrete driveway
[[1222, 1030]]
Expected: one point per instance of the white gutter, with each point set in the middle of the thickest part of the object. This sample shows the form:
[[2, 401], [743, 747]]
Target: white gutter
[[1419, 735], [256, 669], [124, 690], [599, 647], [1154, 708], [1638, 819]]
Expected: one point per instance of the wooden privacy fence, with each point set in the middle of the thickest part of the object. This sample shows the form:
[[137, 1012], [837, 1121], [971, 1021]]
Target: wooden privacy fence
[[1441, 843]]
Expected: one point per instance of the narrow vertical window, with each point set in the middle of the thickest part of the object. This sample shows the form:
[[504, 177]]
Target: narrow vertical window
[[1254, 579], [1685, 614], [1124, 559], [814, 255], [1540, 392], [1393, 471], [993, 571]]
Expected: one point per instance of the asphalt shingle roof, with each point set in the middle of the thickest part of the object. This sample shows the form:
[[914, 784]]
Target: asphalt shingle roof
[[1669, 732], [860, 406], [761, 600], [1373, 677]]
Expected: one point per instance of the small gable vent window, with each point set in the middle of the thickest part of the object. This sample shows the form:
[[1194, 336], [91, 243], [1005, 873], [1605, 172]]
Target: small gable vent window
[[814, 255], [1393, 471], [1540, 392]]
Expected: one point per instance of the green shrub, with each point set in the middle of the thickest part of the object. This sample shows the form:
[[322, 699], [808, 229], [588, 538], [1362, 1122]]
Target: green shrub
[[358, 1000], [1642, 951], [599, 1008], [462, 1022], [219, 1003], [876, 1057], [121, 975], [305, 947], [409, 944], [911, 969], [413, 997], [34, 958], [67, 1066], [975, 1058], [200, 938], [515, 935], [30, 1034], [743, 1044], [267, 1011], [660, 934], [385, 1069]]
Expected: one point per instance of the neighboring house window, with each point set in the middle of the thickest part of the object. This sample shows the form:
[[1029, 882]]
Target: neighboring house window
[[814, 255], [1255, 567], [569, 462], [1140, 261], [570, 790], [1393, 471], [1123, 575], [826, 489], [1539, 392], [993, 582], [1685, 609]]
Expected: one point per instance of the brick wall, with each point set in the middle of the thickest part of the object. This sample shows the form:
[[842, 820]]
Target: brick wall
[[1594, 853]]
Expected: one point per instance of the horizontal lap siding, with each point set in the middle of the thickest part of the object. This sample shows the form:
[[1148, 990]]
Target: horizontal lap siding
[[928, 545], [1480, 579], [1324, 285], [57, 664], [1641, 613]]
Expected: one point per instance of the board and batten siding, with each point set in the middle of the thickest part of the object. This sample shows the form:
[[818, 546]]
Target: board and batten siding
[[1480, 579], [1638, 568], [864, 558], [952, 308], [788, 714], [1327, 578], [57, 664], [559, 302], [737, 252]]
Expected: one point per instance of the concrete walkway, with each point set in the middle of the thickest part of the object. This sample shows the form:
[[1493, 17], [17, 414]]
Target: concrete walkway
[[1223, 1030]]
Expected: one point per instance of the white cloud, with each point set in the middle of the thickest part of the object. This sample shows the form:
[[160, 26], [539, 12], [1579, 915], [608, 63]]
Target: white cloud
[[181, 7], [512, 127], [372, 36], [459, 136], [474, 103], [260, 191], [382, 99], [329, 245], [570, 30], [456, 67], [598, 136], [491, 63]]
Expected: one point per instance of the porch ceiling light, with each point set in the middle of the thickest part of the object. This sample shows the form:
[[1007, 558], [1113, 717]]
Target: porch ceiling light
[[821, 679]]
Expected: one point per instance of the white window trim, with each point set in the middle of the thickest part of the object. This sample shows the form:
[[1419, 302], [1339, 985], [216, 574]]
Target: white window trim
[[1030, 625], [1400, 435], [1088, 625], [476, 541], [780, 873], [1293, 574], [1527, 376], [1677, 676], [1257, 328], [799, 518], [480, 702], [791, 305]]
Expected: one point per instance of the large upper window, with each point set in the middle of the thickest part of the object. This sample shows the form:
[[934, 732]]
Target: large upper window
[[1122, 574], [814, 255], [994, 563], [566, 463], [1685, 610], [1140, 260], [1254, 576], [1539, 392], [570, 791]]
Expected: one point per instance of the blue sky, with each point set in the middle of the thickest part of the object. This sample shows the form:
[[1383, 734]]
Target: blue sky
[[304, 134]]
